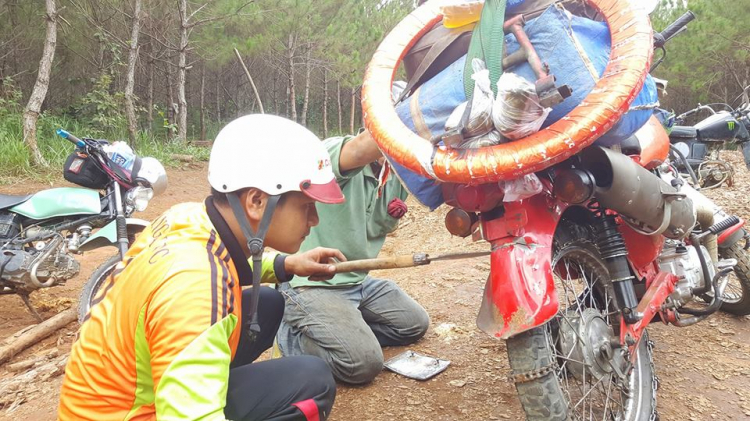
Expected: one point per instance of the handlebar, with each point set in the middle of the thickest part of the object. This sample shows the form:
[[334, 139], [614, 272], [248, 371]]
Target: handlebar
[[68, 136], [673, 29], [693, 111]]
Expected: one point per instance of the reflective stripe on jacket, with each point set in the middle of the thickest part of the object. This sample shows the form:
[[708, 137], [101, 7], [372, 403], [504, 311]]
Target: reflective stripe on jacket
[[159, 344]]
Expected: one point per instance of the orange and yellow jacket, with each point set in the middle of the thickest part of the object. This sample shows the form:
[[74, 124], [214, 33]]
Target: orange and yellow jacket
[[159, 343]]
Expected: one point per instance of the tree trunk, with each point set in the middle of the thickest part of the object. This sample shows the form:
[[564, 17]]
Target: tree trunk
[[170, 91], [182, 73], [130, 85], [325, 103], [218, 98], [13, 17], [292, 95], [150, 100], [353, 110], [305, 103], [274, 92], [203, 103], [38, 94], [286, 99], [252, 84], [338, 101]]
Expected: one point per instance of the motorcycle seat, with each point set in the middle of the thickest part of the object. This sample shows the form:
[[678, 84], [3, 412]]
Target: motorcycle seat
[[8, 200], [684, 132]]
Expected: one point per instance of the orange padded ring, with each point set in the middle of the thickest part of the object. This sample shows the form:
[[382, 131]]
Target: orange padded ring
[[630, 58]]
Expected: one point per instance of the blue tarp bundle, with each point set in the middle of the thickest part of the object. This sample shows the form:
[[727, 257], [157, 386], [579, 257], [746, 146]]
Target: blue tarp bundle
[[577, 52]]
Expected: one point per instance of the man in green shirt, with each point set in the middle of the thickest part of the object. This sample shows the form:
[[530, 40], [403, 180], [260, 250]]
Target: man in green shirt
[[347, 319]]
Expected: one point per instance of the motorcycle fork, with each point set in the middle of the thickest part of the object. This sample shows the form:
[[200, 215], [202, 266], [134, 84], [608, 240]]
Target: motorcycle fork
[[612, 248], [636, 315]]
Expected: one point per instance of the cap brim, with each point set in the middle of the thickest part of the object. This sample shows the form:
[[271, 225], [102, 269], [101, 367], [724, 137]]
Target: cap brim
[[329, 193]]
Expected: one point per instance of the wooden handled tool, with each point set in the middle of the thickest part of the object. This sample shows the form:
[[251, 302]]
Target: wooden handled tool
[[397, 262]]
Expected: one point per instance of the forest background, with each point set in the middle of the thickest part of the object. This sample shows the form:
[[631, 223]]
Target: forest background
[[162, 74]]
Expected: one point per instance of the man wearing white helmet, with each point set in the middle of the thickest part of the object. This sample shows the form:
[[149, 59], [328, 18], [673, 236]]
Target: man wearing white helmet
[[174, 333]]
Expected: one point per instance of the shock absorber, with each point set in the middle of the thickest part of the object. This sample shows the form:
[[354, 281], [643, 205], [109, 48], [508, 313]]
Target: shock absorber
[[612, 248]]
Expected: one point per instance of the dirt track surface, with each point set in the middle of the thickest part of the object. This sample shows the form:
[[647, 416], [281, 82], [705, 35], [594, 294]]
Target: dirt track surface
[[704, 370]]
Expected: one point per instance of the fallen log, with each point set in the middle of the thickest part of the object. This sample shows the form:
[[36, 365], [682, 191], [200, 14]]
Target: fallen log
[[15, 336], [31, 362], [18, 389], [182, 157], [37, 333]]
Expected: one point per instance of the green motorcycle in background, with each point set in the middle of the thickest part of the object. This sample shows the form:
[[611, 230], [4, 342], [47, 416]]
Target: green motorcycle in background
[[41, 233]]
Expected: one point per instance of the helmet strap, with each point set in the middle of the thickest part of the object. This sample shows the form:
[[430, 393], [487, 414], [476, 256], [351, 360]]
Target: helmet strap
[[255, 245]]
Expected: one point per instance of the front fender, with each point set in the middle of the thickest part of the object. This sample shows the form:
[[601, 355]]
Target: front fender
[[520, 291], [107, 235]]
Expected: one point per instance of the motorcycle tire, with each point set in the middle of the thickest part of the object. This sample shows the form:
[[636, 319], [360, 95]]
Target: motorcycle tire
[[737, 294], [95, 282], [550, 385]]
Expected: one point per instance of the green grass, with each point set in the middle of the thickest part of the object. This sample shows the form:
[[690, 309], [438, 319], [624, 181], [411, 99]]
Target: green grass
[[15, 162]]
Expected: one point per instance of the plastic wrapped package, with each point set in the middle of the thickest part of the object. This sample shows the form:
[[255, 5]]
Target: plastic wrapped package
[[480, 115], [396, 89], [517, 112], [490, 139], [521, 188], [457, 13]]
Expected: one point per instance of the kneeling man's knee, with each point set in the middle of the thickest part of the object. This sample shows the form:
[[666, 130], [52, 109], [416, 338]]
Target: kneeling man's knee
[[362, 367]]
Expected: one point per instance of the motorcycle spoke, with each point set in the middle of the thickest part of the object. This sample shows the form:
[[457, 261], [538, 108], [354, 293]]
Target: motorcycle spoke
[[733, 292], [589, 398]]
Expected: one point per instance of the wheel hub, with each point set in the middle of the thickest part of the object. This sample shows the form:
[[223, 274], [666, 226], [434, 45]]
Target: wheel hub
[[586, 341]]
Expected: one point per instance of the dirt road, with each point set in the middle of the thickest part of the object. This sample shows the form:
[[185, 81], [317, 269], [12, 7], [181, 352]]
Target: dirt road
[[704, 370]]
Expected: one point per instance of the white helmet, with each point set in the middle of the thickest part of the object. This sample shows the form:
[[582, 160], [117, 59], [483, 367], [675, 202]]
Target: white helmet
[[272, 154], [152, 173]]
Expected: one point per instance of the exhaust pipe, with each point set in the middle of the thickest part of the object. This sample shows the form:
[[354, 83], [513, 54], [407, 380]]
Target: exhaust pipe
[[643, 199]]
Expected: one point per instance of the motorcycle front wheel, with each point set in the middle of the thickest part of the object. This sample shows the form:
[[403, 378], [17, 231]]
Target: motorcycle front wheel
[[736, 296], [573, 368], [89, 295]]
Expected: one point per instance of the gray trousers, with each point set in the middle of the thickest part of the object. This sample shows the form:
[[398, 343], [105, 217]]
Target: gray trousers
[[347, 326]]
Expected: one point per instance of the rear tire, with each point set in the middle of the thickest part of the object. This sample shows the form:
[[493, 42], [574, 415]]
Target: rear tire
[[737, 294]]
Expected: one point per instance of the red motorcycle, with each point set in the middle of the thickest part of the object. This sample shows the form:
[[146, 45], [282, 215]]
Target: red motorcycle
[[614, 241]]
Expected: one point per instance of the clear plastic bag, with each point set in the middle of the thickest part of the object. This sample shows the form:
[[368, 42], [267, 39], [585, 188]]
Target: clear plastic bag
[[121, 154], [397, 88], [480, 116], [490, 139], [517, 112], [521, 188]]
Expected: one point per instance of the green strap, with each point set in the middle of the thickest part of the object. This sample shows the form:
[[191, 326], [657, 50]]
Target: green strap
[[487, 43]]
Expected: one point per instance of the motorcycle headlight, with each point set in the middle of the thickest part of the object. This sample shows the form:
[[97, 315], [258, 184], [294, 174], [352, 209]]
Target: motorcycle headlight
[[139, 197]]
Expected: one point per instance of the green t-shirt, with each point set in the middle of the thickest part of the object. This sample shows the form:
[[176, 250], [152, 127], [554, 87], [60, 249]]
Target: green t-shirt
[[358, 226]]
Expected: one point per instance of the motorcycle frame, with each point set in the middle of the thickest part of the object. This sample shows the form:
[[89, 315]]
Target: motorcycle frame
[[520, 293]]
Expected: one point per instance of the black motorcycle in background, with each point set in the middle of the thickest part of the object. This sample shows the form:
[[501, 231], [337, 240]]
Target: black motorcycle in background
[[696, 148]]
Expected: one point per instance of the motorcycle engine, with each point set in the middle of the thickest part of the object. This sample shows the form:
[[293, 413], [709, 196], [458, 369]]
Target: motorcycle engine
[[682, 260], [17, 266], [10, 227]]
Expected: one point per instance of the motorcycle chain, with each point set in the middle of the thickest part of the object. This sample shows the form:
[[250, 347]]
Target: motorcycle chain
[[655, 380], [533, 374]]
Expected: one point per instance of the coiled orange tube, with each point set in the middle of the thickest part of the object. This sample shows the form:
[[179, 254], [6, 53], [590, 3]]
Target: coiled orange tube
[[632, 50]]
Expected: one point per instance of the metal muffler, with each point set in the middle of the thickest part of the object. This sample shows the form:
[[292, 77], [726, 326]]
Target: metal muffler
[[643, 199]]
